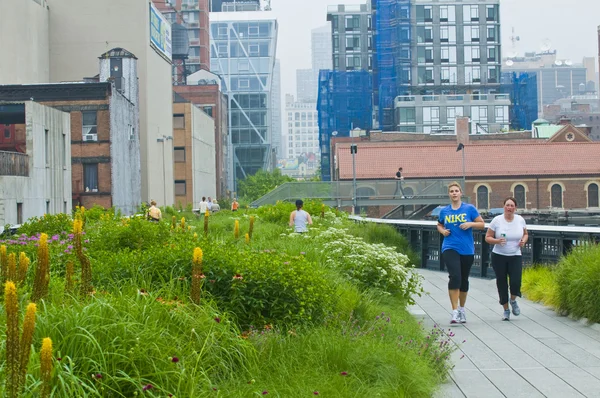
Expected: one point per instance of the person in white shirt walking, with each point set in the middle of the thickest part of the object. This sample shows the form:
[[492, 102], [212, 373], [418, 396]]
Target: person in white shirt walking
[[299, 218], [203, 205], [508, 233]]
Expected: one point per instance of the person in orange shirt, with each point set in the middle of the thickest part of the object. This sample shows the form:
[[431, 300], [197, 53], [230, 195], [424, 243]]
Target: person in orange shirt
[[234, 205]]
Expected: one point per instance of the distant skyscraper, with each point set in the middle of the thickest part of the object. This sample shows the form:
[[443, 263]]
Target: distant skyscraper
[[306, 85], [276, 112], [243, 50], [321, 48], [302, 134]]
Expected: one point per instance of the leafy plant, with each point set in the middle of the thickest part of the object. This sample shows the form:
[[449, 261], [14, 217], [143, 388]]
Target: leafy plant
[[254, 186]]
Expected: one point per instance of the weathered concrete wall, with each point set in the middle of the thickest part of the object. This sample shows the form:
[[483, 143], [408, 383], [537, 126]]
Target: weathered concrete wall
[[82, 30], [48, 187], [126, 174], [24, 42], [203, 150]]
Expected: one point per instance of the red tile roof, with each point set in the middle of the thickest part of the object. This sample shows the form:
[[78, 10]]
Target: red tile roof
[[495, 159]]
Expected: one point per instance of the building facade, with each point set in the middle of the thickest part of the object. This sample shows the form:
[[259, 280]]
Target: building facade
[[81, 29], [104, 133], [193, 16], [194, 153], [306, 85], [204, 91], [321, 51], [36, 175], [25, 43], [276, 123], [243, 52], [352, 37]]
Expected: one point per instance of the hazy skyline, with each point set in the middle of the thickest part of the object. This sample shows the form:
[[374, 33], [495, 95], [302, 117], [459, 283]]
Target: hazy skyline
[[571, 30]]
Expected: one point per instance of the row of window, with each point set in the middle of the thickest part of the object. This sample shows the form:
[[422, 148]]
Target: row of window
[[432, 115], [302, 115], [556, 196], [471, 34], [448, 13], [449, 74]]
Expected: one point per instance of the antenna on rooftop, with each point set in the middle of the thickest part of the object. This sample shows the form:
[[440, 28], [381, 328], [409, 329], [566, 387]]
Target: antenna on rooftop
[[514, 39]]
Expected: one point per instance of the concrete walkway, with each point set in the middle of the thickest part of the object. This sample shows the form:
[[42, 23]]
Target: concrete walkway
[[537, 354]]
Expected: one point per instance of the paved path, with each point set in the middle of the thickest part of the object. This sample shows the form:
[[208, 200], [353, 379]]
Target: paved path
[[537, 354]]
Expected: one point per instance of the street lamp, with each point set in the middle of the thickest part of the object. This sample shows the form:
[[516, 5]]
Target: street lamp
[[336, 167], [353, 150], [461, 147]]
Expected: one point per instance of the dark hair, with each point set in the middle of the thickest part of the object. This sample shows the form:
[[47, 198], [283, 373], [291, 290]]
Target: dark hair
[[299, 203], [513, 200], [399, 168], [203, 198]]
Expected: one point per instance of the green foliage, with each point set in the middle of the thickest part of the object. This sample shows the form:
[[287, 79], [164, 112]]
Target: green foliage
[[266, 287], [261, 183], [539, 284], [50, 224], [387, 235], [578, 279]]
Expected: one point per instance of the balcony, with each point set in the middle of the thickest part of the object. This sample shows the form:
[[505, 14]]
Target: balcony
[[14, 164]]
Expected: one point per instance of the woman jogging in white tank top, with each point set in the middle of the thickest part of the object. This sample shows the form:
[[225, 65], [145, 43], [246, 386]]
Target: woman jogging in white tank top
[[299, 219]]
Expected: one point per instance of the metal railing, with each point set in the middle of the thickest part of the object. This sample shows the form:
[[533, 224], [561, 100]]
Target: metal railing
[[14, 164], [546, 244], [368, 192]]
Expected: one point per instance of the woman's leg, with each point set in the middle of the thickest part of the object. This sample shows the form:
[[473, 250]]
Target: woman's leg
[[452, 261], [515, 272], [500, 265], [466, 262]]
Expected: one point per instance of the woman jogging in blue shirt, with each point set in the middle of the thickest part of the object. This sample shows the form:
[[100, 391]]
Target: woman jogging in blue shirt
[[456, 223]]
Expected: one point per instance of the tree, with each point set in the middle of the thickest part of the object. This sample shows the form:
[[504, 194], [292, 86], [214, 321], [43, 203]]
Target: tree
[[257, 185]]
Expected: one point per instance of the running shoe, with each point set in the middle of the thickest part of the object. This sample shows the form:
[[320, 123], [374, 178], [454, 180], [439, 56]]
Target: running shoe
[[515, 308], [506, 316], [462, 314], [455, 317]]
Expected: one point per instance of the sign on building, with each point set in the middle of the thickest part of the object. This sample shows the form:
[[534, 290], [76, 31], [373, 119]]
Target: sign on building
[[160, 33]]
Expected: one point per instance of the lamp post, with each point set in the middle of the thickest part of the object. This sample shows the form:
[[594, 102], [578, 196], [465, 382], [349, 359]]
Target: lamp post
[[461, 147], [336, 168], [353, 150]]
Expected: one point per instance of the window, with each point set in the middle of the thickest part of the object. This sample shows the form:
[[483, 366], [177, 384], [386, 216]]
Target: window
[[243, 65], [491, 13], [501, 114], [253, 30], [444, 34], [334, 24], [19, 213], [482, 197], [444, 14], [222, 31], [556, 196], [352, 22], [491, 54], [179, 154], [593, 200], [472, 54], [222, 50], [253, 49], [406, 116], [180, 187], [470, 13], [453, 112], [424, 34], [424, 14], [352, 43], [208, 110], [243, 83], [491, 34], [89, 122], [431, 115], [353, 62], [448, 55], [492, 74], [90, 177], [424, 55], [471, 34], [479, 114], [520, 196], [178, 121], [47, 147], [472, 74]]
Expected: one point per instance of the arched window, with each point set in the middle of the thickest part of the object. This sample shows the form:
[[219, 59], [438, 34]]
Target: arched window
[[520, 196], [556, 196], [482, 197], [593, 195]]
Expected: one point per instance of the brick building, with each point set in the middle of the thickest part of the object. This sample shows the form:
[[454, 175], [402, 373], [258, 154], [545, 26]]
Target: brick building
[[105, 146], [194, 153], [562, 172], [204, 91]]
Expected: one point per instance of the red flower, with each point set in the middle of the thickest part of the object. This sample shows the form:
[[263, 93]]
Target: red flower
[[344, 373], [218, 320], [265, 392], [174, 359], [316, 393], [147, 387]]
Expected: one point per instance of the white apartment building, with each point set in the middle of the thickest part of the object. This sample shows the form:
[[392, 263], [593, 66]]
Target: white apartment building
[[302, 133]]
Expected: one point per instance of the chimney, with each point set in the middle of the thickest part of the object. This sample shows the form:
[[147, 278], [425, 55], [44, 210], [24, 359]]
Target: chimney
[[462, 130]]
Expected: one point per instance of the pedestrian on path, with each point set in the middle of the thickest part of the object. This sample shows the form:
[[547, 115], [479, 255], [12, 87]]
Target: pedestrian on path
[[399, 178], [508, 233], [299, 218], [456, 224], [154, 213]]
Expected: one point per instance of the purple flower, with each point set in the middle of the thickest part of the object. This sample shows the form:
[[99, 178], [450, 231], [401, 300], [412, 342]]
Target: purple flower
[[343, 373], [218, 320], [67, 252], [55, 237], [71, 236], [265, 392], [174, 359], [97, 375], [316, 393], [147, 387], [87, 241], [70, 247]]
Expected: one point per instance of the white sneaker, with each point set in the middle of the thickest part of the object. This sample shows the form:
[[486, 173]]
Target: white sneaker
[[455, 317], [462, 316]]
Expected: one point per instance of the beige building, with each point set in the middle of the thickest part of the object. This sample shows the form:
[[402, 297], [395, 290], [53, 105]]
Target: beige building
[[82, 29], [36, 181], [194, 153], [24, 41]]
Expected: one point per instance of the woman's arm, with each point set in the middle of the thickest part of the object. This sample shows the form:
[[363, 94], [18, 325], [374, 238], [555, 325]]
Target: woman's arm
[[442, 230], [525, 237], [490, 237], [292, 217], [478, 223]]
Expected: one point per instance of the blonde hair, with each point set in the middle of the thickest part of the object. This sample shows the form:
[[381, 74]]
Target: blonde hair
[[152, 203], [455, 184]]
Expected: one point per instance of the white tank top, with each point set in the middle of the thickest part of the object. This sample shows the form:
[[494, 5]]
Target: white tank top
[[300, 221]]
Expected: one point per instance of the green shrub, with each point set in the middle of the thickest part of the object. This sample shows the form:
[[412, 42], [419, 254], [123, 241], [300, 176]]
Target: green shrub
[[265, 287], [539, 284], [578, 280], [387, 235], [51, 224]]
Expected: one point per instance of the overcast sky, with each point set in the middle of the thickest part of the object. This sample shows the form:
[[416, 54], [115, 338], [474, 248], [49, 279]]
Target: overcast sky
[[569, 25]]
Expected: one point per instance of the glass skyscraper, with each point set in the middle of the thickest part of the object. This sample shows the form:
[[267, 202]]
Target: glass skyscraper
[[243, 46]]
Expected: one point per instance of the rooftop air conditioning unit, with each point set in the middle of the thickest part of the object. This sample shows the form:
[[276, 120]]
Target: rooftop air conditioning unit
[[90, 137]]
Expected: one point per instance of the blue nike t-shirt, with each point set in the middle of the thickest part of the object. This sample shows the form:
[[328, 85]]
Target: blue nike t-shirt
[[459, 240]]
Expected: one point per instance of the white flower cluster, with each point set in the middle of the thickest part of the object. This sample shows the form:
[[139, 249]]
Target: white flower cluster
[[374, 265]]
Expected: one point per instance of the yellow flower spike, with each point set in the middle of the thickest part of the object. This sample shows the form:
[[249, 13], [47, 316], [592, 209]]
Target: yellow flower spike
[[189, 227], [251, 227], [46, 366], [206, 213], [236, 229], [11, 306], [195, 235], [26, 339], [247, 237], [197, 259], [42, 272], [3, 263], [11, 273], [183, 223], [23, 267]]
